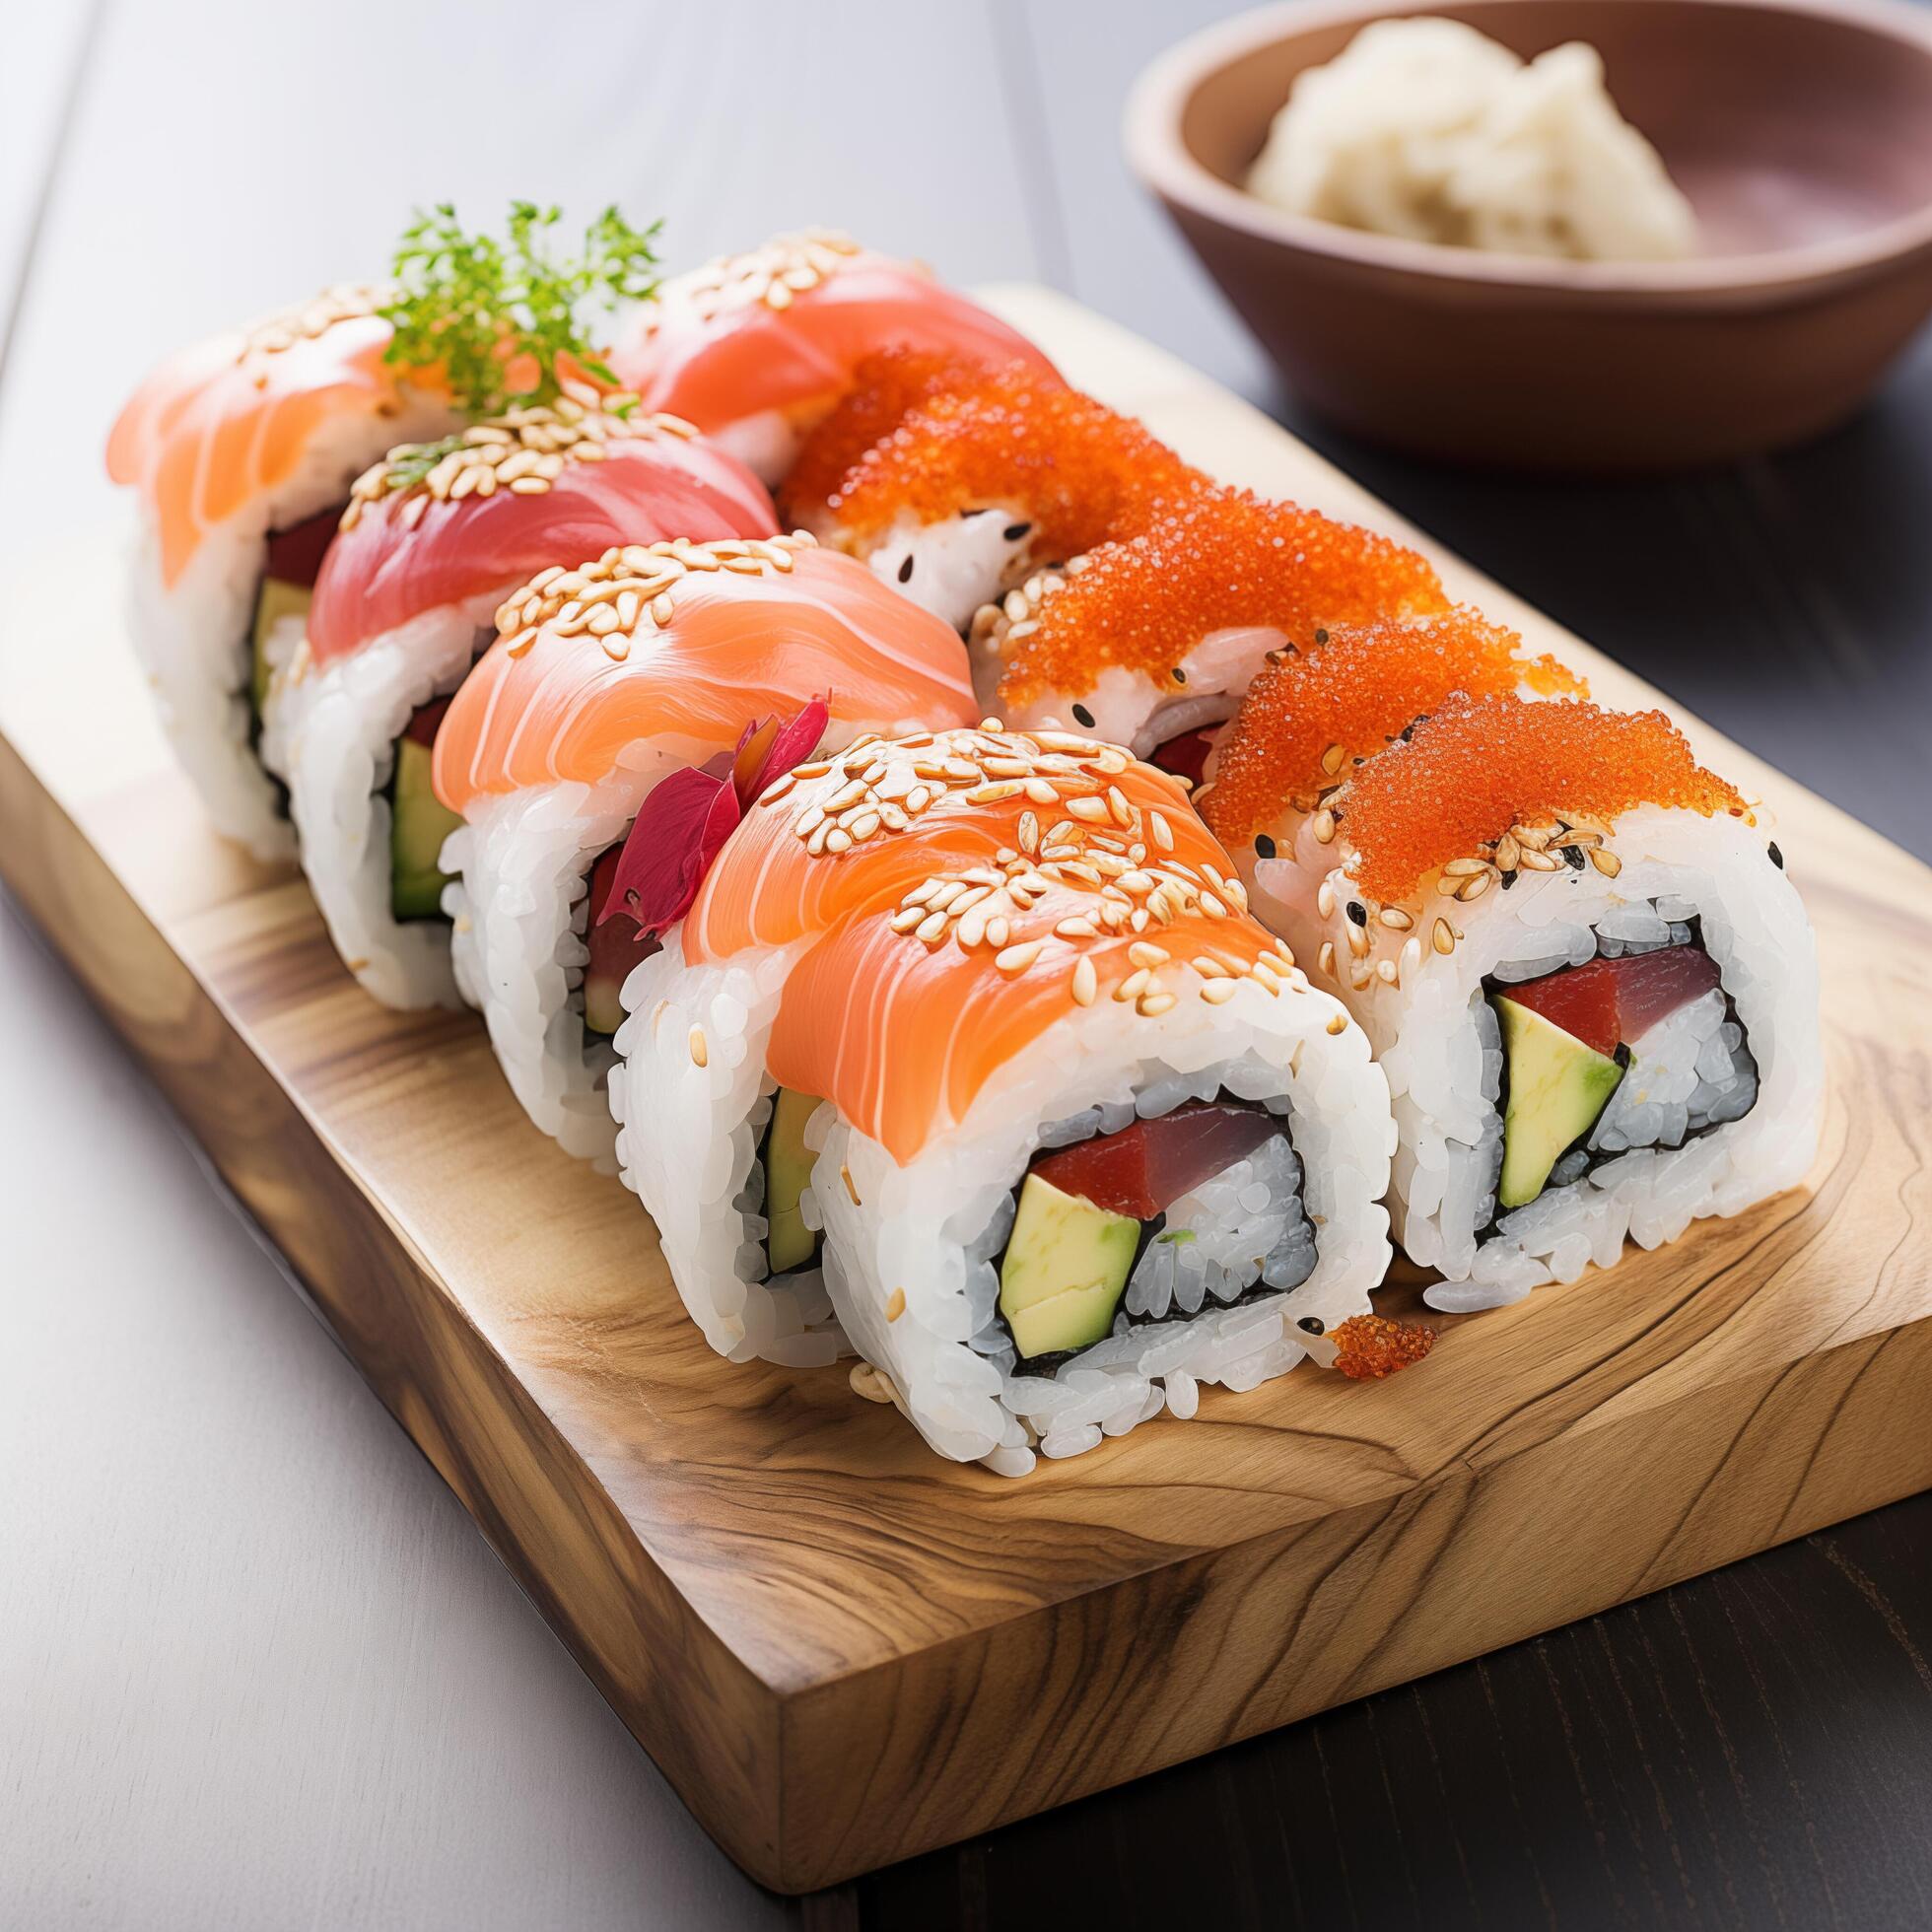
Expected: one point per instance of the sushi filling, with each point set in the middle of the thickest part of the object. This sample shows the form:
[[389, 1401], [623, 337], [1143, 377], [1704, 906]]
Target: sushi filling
[[614, 944], [1641, 1047], [287, 588], [1150, 1221], [419, 821]]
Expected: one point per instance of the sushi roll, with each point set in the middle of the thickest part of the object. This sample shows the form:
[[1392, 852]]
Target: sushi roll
[[242, 452], [977, 488], [604, 682], [1311, 718], [978, 1047], [1150, 641], [756, 348], [1591, 986], [435, 538]]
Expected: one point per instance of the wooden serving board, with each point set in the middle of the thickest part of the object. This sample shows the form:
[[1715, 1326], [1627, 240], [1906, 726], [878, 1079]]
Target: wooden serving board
[[841, 1649]]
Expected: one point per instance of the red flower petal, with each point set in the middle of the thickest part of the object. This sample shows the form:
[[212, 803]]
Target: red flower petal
[[683, 824], [790, 745], [679, 830]]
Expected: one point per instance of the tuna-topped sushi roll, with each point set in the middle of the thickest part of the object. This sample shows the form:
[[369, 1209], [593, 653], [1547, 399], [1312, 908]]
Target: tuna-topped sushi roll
[[976, 1023], [605, 680], [982, 482], [1151, 641], [756, 348], [1591, 986], [1311, 718], [435, 538], [242, 452]]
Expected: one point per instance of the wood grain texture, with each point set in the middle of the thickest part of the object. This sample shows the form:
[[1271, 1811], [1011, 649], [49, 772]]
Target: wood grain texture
[[840, 1650]]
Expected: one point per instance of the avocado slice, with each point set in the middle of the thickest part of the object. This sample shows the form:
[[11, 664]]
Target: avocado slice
[[787, 1173], [419, 822], [1557, 1088], [1065, 1269], [273, 602]]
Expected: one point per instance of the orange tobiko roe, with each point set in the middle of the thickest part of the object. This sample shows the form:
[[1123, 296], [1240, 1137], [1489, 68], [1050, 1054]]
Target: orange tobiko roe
[[1080, 472], [886, 389], [1369, 1348], [1480, 766], [1226, 561], [1366, 684]]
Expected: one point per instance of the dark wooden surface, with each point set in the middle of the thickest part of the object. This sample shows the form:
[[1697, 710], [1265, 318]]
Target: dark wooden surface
[[256, 1667]]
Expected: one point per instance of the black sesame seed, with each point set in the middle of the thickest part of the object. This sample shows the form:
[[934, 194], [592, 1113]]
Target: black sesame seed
[[1081, 716], [1312, 1324], [1177, 674], [1573, 858], [1321, 637], [1777, 858], [1015, 532], [1509, 879], [906, 571], [1264, 846], [1358, 912]]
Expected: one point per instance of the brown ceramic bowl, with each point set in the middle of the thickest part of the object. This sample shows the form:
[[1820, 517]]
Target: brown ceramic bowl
[[1800, 129]]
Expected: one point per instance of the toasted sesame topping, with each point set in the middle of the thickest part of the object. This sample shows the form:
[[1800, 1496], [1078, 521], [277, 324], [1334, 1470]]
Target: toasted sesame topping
[[896, 1305], [610, 597], [522, 452], [1338, 1023], [872, 1384], [346, 301], [700, 1049], [773, 274]]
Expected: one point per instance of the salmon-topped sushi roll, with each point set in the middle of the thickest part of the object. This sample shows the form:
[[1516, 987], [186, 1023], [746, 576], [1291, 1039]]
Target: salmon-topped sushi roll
[[242, 452], [1152, 641], [981, 483], [435, 538], [605, 680], [756, 348], [1591, 985], [968, 1046]]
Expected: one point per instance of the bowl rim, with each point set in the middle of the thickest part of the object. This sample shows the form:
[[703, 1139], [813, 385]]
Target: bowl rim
[[1151, 135]]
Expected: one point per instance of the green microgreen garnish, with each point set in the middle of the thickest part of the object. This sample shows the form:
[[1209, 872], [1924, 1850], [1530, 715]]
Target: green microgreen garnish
[[410, 462], [1178, 1236], [474, 305]]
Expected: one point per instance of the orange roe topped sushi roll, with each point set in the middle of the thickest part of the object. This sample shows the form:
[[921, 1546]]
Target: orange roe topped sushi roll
[[1151, 640], [975, 489], [756, 348], [1591, 986]]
